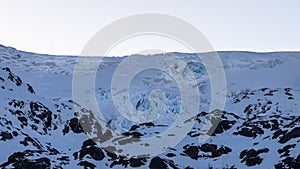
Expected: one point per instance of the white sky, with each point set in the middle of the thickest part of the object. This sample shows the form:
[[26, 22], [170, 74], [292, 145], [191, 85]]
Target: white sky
[[64, 26]]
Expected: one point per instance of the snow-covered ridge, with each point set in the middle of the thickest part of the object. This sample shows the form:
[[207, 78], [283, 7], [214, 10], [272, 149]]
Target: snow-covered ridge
[[260, 126], [61, 64]]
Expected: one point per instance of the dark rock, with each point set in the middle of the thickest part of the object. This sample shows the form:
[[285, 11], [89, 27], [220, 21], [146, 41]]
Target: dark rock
[[222, 150], [89, 147], [120, 161], [290, 135], [66, 130], [148, 124], [75, 126], [88, 142], [23, 120], [251, 131], [289, 162], [133, 134], [192, 151], [6, 136], [223, 126], [17, 104], [285, 150], [95, 152], [125, 162], [214, 150], [30, 89], [75, 155], [137, 162], [188, 167], [251, 157], [275, 125], [28, 139], [264, 124], [42, 113], [171, 155], [158, 163], [208, 147], [278, 133], [16, 79], [15, 133], [87, 164], [19, 160], [40, 163]]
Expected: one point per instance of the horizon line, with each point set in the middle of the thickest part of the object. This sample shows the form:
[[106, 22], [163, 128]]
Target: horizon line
[[179, 52]]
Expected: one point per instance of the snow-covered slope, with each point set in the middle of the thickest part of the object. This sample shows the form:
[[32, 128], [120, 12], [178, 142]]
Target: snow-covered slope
[[259, 126]]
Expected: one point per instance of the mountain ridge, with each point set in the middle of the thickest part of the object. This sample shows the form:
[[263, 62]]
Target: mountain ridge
[[259, 126]]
